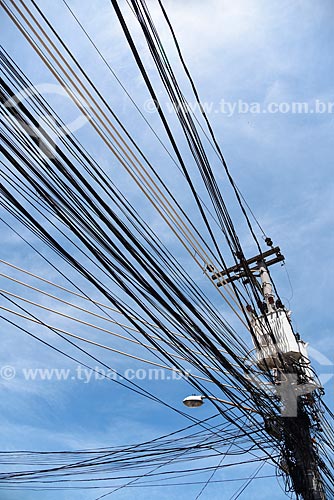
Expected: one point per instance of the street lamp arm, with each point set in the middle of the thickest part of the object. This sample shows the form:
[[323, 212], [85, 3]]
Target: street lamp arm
[[231, 404]]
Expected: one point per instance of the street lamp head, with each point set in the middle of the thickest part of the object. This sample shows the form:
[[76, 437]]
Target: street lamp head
[[193, 401]]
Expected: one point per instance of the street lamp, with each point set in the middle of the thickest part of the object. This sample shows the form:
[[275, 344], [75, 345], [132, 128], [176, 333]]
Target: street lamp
[[195, 401]]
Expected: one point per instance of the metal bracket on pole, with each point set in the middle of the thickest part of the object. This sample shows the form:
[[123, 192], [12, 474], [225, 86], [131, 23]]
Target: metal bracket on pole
[[242, 270]]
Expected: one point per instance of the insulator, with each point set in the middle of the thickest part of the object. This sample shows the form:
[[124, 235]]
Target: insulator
[[279, 304]]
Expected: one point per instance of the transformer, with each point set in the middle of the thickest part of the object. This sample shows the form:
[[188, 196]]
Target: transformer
[[269, 353]]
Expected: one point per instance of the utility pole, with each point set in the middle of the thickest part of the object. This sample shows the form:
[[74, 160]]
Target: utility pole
[[282, 352], [300, 454]]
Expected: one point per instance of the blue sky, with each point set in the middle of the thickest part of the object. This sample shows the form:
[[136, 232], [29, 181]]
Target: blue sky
[[242, 52]]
